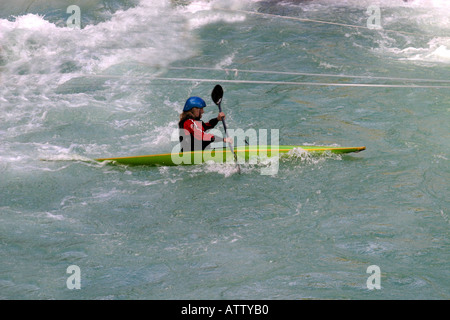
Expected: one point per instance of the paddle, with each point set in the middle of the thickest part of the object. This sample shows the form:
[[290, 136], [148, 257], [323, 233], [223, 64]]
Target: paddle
[[217, 95]]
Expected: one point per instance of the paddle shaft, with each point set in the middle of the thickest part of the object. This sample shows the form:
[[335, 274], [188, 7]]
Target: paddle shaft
[[226, 134], [223, 120]]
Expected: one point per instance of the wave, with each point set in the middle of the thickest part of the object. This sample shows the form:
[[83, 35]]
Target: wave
[[150, 33], [54, 9], [366, 3], [437, 50], [413, 30]]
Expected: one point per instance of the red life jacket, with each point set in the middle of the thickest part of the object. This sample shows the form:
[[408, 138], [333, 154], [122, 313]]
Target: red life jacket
[[193, 136]]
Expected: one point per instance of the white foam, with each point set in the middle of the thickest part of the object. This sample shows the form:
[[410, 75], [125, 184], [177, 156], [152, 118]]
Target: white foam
[[151, 33], [196, 6], [226, 61], [58, 217], [437, 51], [226, 169], [310, 158], [202, 13], [384, 3]]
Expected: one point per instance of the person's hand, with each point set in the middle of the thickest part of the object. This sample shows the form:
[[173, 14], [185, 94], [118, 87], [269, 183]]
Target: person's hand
[[221, 116], [228, 140]]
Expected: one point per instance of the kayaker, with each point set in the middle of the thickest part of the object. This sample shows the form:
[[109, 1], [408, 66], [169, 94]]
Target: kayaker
[[192, 128]]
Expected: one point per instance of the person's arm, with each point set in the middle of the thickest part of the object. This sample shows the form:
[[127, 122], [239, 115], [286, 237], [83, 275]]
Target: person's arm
[[213, 122], [210, 124]]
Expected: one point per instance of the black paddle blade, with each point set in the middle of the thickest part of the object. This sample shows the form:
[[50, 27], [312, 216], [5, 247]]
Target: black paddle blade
[[217, 94]]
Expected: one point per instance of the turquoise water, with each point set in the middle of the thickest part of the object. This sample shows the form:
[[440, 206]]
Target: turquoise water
[[311, 230]]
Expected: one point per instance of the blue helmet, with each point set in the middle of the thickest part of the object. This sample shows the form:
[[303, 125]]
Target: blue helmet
[[194, 102]]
